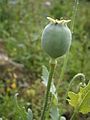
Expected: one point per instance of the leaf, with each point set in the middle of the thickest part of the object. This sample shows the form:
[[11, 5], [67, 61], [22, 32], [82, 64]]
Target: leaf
[[54, 113], [45, 76], [29, 115], [20, 109], [62, 118], [74, 98], [81, 100]]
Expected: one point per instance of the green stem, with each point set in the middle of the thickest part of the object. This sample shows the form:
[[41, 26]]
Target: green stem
[[79, 75], [74, 14], [52, 67], [62, 71], [73, 117], [72, 28]]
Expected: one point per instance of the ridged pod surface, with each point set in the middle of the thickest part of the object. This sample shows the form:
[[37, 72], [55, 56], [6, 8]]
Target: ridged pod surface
[[56, 38]]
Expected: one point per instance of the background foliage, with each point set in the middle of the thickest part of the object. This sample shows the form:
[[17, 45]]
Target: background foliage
[[21, 25]]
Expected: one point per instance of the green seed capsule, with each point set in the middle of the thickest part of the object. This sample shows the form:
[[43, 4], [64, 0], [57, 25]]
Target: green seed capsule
[[56, 38]]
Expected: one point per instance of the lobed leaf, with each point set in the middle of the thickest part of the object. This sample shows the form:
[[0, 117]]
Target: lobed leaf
[[81, 100]]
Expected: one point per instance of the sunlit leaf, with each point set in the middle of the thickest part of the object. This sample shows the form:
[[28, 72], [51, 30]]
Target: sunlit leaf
[[81, 100]]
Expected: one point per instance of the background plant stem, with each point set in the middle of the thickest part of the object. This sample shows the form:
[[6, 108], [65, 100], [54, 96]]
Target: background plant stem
[[67, 54], [52, 67], [74, 116], [63, 70]]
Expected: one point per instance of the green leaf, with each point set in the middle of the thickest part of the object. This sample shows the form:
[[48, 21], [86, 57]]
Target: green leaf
[[54, 113], [45, 75], [20, 109], [81, 100], [62, 118], [29, 115]]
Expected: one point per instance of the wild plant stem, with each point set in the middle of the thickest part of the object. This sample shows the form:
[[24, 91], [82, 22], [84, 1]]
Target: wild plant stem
[[52, 67], [63, 70], [74, 14], [67, 55], [74, 115]]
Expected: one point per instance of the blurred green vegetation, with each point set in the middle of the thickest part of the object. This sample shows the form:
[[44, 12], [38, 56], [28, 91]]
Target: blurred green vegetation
[[21, 25]]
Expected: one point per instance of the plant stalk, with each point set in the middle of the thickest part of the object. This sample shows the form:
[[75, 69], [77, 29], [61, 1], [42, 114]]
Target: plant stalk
[[73, 117], [67, 55], [52, 67], [62, 71]]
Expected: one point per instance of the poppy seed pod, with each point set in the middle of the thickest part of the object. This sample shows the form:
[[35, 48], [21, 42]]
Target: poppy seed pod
[[56, 38]]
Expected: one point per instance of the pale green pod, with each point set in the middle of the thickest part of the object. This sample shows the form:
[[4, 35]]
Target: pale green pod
[[56, 39]]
